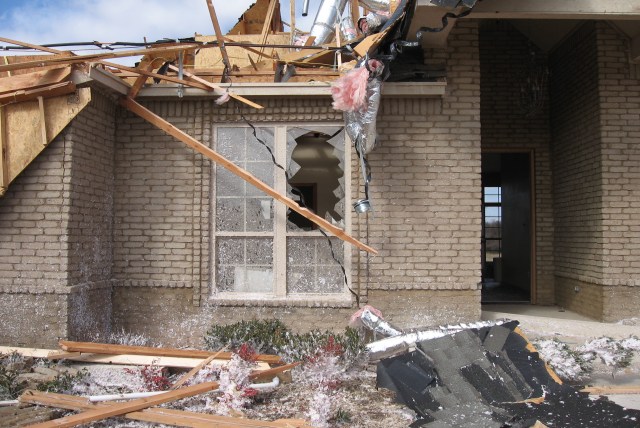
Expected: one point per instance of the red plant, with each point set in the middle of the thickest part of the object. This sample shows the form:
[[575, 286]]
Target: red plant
[[153, 378], [247, 353]]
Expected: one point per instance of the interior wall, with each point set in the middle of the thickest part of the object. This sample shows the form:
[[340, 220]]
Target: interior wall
[[508, 62]]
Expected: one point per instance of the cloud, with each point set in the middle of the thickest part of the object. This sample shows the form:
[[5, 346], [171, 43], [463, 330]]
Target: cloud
[[49, 21]]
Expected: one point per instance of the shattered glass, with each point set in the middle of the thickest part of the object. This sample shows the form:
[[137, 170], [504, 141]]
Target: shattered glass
[[310, 266], [245, 265]]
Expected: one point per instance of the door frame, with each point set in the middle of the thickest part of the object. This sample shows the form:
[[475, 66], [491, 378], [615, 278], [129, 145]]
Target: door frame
[[533, 289]]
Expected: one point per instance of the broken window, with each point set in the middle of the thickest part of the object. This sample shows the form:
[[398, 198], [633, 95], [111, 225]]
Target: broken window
[[262, 248]]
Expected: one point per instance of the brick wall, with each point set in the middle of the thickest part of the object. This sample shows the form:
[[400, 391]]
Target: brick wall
[[426, 193], [55, 233], [596, 117], [90, 219], [507, 60], [619, 92], [426, 183]]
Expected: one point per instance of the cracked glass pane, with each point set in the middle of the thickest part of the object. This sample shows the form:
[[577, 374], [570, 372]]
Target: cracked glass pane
[[259, 215], [256, 151], [263, 171], [244, 265], [310, 266], [231, 143], [228, 184], [230, 214]]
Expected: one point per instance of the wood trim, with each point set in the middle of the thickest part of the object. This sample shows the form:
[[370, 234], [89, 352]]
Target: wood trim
[[231, 167], [104, 348]]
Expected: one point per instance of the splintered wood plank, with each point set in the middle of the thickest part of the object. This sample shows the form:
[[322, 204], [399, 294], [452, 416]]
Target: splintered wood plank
[[216, 28], [54, 90], [214, 86], [64, 60], [267, 23], [34, 80], [157, 76], [106, 348], [29, 45], [104, 412], [156, 120], [155, 415]]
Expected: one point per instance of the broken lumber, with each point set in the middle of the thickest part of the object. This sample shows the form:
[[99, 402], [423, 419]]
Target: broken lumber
[[216, 28], [34, 80], [103, 412], [32, 46], [268, 374], [213, 86], [156, 120], [106, 348], [65, 60], [612, 389], [49, 91], [154, 415], [195, 370], [147, 73]]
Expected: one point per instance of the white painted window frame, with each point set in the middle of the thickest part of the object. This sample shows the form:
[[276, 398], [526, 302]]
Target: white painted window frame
[[280, 233]]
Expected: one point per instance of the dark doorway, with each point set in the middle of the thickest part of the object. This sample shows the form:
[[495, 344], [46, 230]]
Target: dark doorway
[[506, 227]]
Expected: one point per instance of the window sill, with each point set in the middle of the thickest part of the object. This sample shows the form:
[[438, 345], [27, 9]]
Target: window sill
[[304, 301]]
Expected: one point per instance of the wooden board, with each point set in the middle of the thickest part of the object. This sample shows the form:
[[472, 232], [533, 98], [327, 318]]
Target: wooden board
[[119, 409], [212, 58], [15, 60], [34, 80], [105, 348], [155, 415], [24, 124], [167, 127]]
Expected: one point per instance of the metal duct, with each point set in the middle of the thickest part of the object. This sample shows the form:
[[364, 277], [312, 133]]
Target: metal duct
[[305, 7], [347, 27], [324, 25], [377, 5]]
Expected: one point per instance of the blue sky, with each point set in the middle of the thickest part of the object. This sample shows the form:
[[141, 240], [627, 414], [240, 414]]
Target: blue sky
[[53, 21]]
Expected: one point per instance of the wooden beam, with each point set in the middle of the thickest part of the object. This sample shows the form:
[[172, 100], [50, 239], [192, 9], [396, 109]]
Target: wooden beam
[[216, 28], [155, 415], [214, 86], [195, 370], [106, 348], [231, 167], [292, 18], [128, 407], [34, 80], [51, 60], [29, 45], [158, 76], [551, 9], [266, 27], [270, 373], [50, 91], [43, 121]]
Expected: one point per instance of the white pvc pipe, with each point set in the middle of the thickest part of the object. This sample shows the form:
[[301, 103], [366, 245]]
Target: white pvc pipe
[[8, 403], [262, 387]]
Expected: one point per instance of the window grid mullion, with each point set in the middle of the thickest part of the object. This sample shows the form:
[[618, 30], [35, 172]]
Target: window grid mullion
[[280, 223]]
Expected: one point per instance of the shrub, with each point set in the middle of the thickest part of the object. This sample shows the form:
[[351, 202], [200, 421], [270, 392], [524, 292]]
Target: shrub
[[273, 337]]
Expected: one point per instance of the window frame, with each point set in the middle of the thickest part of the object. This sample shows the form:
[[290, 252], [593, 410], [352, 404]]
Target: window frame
[[280, 234]]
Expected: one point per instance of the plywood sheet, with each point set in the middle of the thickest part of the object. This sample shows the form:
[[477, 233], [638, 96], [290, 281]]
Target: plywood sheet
[[212, 58], [24, 126]]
